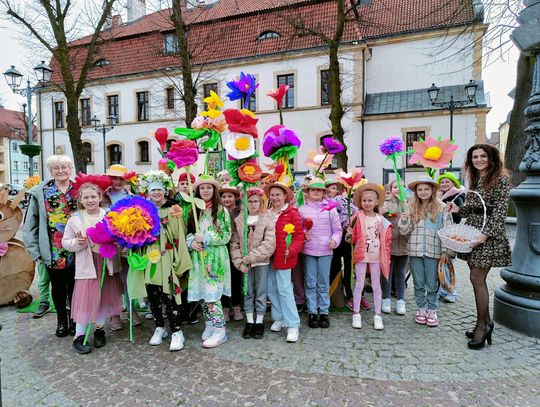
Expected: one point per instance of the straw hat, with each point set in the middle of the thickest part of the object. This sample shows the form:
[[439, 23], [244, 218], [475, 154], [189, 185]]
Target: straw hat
[[206, 179], [228, 188], [370, 186], [423, 180], [117, 170], [289, 196]]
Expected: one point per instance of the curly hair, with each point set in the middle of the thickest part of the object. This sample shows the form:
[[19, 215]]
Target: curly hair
[[495, 168]]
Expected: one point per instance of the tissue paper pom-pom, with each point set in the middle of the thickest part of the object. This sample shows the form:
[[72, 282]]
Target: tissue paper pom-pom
[[393, 144]]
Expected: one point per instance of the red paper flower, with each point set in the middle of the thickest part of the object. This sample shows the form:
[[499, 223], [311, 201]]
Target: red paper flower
[[162, 135], [277, 94], [308, 223], [168, 246], [183, 153]]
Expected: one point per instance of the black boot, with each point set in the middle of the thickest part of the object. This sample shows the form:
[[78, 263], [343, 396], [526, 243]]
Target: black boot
[[99, 338], [79, 347], [324, 322], [258, 331], [71, 327], [313, 321], [248, 331], [62, 325]]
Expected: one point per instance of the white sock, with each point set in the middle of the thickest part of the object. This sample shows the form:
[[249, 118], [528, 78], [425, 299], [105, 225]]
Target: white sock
[[249, 316], [260, 319]]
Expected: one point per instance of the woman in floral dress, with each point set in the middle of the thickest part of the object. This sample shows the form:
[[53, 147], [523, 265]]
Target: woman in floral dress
[[210, 277]]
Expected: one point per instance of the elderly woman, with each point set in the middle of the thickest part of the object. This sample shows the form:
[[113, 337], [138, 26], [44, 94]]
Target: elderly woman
[[50, 208]]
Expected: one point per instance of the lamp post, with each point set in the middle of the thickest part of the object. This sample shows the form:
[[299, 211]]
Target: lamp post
[[517, 302], [453, 104], [104, 129], [14, 80]]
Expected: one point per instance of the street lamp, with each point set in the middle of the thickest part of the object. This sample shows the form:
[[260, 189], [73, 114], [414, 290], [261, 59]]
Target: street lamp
[[14, 81], [452, 104], [104, 129]]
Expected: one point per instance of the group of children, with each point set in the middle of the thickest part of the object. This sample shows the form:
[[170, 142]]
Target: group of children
[[202, 258]]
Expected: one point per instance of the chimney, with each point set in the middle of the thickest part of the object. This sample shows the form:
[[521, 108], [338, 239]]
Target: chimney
[[135, 9], [116, 20]]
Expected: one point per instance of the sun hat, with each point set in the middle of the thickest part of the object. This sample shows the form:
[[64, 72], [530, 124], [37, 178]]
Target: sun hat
[[206, 179], [289, 196], [117, 170], [423, 180], [329, 182], [315, 183], [370, 186], [451, 177], [228, 188]]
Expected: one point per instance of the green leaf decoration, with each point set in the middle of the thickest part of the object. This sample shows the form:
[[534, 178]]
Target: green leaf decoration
[[137, 262], [288, 240], [191, 134], [199, 203], [153, 268], [283, 152], [213, 140]]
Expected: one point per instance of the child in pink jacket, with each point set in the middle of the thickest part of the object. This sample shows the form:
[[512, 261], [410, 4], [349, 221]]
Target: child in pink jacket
[[371, 236], [90, 304]]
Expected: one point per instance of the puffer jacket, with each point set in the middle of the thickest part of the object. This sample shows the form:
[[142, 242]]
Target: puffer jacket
[[326, 227], [391, 211], [359, 242], [261, 244], [289, 215]]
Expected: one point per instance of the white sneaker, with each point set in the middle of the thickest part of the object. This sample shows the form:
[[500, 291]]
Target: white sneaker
[[208, 329], [377, 323], [386, 305], [357, 321], [292, 335], [218, 337], [159, 334], [276, 326], [177, 341], [400, 307]]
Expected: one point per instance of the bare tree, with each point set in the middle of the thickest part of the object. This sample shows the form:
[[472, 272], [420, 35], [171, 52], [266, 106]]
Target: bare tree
[[54, 24]]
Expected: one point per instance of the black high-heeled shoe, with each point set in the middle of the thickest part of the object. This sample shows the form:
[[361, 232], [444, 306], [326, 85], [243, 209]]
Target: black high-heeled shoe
[[470, 333], [480, 343]]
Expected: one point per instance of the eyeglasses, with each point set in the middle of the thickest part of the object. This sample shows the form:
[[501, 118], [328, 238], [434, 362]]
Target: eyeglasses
[[62, 168]]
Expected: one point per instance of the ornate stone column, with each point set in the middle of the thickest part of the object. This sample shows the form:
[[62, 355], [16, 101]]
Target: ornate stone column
[[517, 302]]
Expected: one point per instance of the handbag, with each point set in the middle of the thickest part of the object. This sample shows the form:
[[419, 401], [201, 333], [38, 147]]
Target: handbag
[[448, 287]]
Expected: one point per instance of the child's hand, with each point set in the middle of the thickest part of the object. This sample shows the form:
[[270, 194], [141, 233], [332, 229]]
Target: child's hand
[[81, 240], [451, 207], [308, 235], [349, 230], [197, 246], [199, 237], [286, 252], [332, 244], [404, 217], [244, 268]]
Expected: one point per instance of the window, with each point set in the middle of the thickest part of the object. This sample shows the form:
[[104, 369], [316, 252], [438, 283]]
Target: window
[[16, 165], [86, 114], [25, 165], [114, 154], [142, 106], [411, 137], [59, 114], [87, 152], [100, 63], [113, 108], [332, 166], [169, 93], [35, 165], [268, 35], [170, 44], [253, 102], [14, 147], [144, 152], [325, 87], [207, 87], [288, 99]]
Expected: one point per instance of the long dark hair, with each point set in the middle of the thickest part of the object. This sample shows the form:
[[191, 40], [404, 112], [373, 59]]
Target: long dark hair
[[216, 206], [495, 168]]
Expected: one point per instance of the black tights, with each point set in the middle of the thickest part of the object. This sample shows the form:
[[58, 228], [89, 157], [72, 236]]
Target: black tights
[[481, 296], [156, 297], [62, 283], [235, 300], [342, 251]]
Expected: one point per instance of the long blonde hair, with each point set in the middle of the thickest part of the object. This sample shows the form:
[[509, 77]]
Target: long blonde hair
[[419, 211]]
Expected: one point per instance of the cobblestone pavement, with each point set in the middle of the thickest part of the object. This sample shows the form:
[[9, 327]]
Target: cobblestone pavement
[[406, 364]]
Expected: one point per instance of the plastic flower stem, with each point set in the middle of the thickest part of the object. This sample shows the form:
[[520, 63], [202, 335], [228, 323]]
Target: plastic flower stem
[[245, 277], [195, 216], [280, 117], [349, 195], [320, 166], [130, 291], [402, 193], [103, 271]]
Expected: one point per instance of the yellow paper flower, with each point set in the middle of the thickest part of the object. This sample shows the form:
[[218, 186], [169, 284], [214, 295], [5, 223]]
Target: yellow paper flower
[[211, 113], [433, 153], [213, 101], [154, 256], [129, 221], [288, 228]]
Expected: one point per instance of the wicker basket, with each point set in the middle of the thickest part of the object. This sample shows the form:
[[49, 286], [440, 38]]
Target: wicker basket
[[467, 234]]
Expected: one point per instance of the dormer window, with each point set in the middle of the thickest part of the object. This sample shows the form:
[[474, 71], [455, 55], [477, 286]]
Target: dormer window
[[170, 44], [268, 35], [100, 63]]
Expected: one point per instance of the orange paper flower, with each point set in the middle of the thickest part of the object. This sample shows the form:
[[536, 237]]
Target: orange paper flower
[[249, 172]]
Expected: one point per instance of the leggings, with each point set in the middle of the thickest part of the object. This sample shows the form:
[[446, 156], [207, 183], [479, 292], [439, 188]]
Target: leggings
[[156, 296], [62, 283], [213, 311], [375, 270]]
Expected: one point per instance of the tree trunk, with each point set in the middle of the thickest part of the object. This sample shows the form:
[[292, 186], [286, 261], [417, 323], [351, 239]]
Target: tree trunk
[[74, 131], [515, 146], [336, 111], [188, 92]]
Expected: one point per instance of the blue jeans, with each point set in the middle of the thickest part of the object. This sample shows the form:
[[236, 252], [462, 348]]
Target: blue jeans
[[280, 293], [317, 277], [426, 281]]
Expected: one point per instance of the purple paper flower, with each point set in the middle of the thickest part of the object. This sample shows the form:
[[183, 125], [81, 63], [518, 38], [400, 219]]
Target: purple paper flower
[[331, 204], [332, 146], [242, 88], [278, 137], [392, 145]]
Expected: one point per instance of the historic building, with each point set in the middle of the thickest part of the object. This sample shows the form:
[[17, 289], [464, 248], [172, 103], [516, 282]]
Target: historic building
[[388, 61]]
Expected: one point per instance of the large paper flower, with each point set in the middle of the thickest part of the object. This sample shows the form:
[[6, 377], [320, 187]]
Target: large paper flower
[[280, 138], [183, 153], [162, 135], [350, 180], [133, 222], [318, 159], [433, 153], [242, 88], [213, 101], [277, 94], [241, 121], [392, 145], [250, 172], [240, 146], [332, 146], [98, 235]]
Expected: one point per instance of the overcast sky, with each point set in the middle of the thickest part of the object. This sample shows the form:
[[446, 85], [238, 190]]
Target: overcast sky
[[499, 77]]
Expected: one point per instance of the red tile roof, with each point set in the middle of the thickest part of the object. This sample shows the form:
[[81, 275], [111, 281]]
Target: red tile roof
[[229, 30], [10, 122]]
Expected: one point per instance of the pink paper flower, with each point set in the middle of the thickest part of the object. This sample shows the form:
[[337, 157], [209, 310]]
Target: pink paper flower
[[98, 235], [331, 204], [183, 153], [433, 153]]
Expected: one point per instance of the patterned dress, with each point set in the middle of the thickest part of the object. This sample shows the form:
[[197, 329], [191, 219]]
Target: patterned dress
[[211, 280], [495, 252]]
